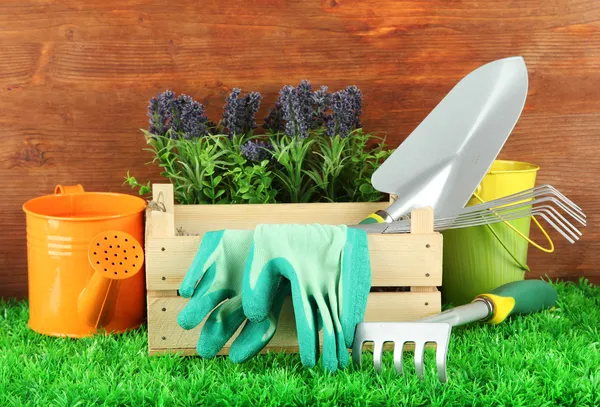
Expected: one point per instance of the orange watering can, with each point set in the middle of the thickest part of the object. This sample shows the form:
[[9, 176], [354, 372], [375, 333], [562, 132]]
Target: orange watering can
[[85, 262]]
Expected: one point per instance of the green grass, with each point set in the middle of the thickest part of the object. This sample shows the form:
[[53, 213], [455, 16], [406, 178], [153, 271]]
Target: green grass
[[546, 359]]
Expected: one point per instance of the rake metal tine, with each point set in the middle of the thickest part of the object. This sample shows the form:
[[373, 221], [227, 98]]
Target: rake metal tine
[[543, 215], [559, 194], [377, 355], [441, 354], [489, 217], [514, 207], [556, 201], [557, 216], [492, 218], [495, 219], [398, 354], [581, 220], [525, 195], [419, 351], [357, 351], [567, 225]]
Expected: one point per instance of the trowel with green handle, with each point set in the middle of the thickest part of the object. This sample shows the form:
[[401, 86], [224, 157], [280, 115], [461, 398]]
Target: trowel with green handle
[[441, 163], [518, 297]]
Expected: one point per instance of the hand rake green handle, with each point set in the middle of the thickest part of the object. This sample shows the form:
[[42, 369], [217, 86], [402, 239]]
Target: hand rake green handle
[[517, 297], [520, 297]]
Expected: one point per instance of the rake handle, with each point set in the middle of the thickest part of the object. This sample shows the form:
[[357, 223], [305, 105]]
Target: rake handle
[[520, 297]]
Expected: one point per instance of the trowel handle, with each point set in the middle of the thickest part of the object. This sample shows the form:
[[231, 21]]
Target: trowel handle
[[397, 210], [379, 216], [520, 297]]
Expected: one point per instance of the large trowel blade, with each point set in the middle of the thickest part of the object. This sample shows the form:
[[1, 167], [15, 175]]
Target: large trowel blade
[[444, 159]]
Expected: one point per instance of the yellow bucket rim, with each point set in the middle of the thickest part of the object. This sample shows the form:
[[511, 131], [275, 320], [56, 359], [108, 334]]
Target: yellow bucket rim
[[526, 167]]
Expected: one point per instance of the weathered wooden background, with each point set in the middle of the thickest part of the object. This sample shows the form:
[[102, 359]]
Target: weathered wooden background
[[75, 78]]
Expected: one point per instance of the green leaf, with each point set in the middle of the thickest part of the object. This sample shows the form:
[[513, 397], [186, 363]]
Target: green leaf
[[366, 188], [209, 193]]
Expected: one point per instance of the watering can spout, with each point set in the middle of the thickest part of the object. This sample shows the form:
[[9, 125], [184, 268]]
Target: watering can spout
[[96, 304], [114, 255]]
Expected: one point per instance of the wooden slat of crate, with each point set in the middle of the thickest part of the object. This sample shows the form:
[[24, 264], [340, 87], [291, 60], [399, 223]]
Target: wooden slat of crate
[[165, 335], [198, 219], [400, 260]]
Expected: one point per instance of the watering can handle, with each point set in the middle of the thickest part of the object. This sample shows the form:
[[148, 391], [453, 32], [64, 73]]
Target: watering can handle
[[68, 189], [549, 250]]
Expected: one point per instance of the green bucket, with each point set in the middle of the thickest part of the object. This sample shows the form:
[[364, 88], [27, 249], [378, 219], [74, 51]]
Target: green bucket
[[478, 259]]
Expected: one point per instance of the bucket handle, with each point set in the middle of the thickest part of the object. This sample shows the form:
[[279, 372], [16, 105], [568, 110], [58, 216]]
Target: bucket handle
[[68, 189], [548, 238]]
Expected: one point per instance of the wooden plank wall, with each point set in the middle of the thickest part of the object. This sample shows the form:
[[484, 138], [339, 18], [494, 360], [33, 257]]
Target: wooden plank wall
[[75, 78]]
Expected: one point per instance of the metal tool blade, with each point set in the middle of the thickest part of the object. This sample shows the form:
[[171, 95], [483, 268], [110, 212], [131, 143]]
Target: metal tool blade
[[444, 159]]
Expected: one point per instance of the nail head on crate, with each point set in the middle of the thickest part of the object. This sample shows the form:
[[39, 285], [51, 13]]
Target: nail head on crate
[[428, 245], [426, 303], [163, 249], [164, 338], [164, 278], [164, 309], [427, 274]]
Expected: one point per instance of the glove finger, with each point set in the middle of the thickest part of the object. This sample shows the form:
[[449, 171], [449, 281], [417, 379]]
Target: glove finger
[[259, 285], [355, 284], [329, 356], [201, 304], [252, 339], [219, 327], [205, 256], [306, 325], [256, 335], [342, 351]]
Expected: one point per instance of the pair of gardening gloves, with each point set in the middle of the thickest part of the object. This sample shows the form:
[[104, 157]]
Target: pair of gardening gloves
[[243, 277]]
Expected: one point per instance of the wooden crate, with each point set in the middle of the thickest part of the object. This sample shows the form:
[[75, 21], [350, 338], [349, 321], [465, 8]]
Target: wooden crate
[[173, 234]]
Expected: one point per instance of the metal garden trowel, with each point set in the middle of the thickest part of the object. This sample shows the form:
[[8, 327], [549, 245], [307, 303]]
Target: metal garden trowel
[[444, 159], [519, 297]]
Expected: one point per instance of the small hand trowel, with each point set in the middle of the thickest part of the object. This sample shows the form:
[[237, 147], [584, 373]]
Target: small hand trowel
[[444, 159]]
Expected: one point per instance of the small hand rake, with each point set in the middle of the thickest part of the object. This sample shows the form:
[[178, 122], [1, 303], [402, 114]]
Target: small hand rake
[[518, 297]]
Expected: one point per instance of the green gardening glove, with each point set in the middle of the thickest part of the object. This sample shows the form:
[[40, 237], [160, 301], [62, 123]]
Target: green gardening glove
[[329, 272], [214, 279]]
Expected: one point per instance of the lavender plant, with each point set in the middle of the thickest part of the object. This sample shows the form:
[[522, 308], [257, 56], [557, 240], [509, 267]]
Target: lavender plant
[[312, 148]]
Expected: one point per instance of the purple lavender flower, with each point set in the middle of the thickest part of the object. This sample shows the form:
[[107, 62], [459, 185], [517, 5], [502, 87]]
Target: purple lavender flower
[[295, 123], [251, 105], [183, 115], [341, 116], [257, 151], [274, 121], [167, 110], [239, 114], [305, 103], [231, 112], [322, 101], [192, 118], [346, 107], [154, 123], [354, 100]]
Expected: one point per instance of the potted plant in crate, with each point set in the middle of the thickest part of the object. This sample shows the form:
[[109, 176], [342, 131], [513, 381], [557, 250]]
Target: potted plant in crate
[[310, 148], [309, 161]]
